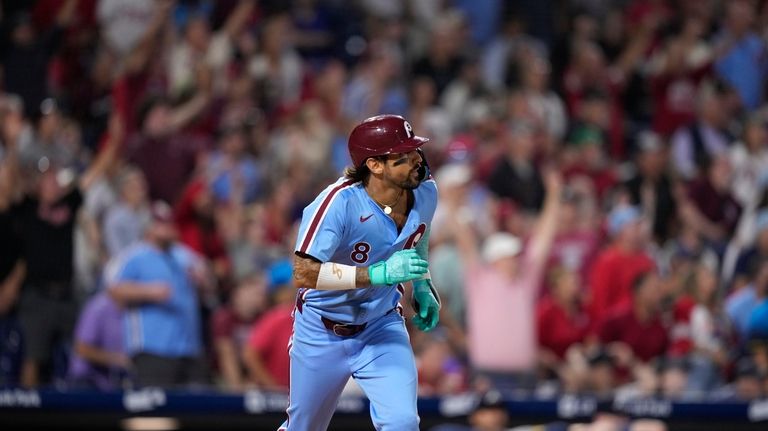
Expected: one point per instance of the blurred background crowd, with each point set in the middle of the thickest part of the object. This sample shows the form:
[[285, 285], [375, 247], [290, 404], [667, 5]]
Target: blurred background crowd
[[602, 166]]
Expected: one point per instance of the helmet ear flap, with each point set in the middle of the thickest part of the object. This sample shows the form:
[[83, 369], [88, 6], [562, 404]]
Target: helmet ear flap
[[424, 171]]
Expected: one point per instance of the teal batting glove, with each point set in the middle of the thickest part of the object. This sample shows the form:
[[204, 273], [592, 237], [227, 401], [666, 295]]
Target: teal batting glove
[[404, 265], [426, 302]]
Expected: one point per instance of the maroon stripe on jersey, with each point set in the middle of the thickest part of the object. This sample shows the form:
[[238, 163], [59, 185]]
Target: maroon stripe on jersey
[[319, 215]]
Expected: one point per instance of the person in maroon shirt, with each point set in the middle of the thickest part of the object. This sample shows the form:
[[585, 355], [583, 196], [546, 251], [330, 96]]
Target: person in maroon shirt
[[560, 319], [709, 206], [636, 332], [610, 279]]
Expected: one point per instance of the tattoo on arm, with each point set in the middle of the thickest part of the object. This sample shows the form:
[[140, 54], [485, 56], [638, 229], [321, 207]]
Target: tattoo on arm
[[306, 271]]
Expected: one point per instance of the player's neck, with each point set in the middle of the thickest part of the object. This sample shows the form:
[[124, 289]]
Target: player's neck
[[383, 194]]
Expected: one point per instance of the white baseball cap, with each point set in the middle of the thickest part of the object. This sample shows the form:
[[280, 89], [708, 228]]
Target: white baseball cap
[[453, 175], [500, 245]]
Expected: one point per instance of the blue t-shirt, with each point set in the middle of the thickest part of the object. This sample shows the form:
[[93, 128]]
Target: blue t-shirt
[[344, 225], [169, 329]]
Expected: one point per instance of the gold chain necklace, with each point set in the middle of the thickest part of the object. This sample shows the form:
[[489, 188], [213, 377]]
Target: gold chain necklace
[[388, 208]]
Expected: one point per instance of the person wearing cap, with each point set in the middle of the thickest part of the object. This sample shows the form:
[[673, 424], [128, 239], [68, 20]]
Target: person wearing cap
[[264, 351], [359, 242], [156, 281], [750, 257], [610, 278], [501, 283]]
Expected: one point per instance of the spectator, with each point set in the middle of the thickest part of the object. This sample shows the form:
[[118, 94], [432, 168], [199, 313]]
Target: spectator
[[157, 281], [439, 369], [615, 268], [266, 352], [489, 414], [501, 288], [710, 332], [560, 318], [578, 238], [677, 72], [233, 173], [751, 257], [749, 161], [230, 327], [27, 54], [709, 207], [745, 298], [196, 223], [651, 187], [277, 68], [165, 153], [744, 65], [635, 332], [694, 145], [589, 160], [443, 60], [125, 222], [12, 266], [45, 221], [100, 361], [515, 176]]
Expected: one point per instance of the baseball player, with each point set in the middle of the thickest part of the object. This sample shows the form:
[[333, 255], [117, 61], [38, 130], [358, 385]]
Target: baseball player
[[359, 241]]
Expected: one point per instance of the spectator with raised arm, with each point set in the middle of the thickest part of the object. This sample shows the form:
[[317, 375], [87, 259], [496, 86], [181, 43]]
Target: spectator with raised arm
[[502, 284], [45, 222]]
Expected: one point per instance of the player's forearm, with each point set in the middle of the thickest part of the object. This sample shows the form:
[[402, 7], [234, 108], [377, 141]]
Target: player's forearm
[[307, 271]]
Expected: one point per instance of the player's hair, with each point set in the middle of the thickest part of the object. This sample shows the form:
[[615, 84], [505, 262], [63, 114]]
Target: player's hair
[[360, 173]]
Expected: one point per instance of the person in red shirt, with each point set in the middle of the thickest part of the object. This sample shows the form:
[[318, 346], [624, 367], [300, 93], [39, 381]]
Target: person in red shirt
[[635, 332], [266, 352], [611, 276], [560, 318]]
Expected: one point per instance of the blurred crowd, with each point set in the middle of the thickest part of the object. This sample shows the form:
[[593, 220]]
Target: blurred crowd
[[602, 166]]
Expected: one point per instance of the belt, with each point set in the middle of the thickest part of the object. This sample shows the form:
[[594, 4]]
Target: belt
[[343, 329], [338, 328]]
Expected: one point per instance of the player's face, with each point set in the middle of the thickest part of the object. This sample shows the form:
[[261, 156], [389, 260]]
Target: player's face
[[402, 170]]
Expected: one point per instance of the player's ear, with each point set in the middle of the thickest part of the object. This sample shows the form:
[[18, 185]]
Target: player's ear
[[375, 165]]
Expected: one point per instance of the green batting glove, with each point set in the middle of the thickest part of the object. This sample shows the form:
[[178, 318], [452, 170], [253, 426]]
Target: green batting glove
[[426, 302], [404, 265]]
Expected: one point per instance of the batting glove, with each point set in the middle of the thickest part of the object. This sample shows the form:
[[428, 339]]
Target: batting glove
[[404, 265], [426, 302]]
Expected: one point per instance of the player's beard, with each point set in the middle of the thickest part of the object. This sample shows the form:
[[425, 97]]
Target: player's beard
[[412, 181]]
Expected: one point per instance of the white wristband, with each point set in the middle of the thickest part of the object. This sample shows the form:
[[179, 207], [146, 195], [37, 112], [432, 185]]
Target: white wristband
[[335, 276]]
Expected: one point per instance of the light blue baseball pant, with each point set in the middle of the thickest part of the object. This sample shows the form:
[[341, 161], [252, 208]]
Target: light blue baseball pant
[[379, 358]]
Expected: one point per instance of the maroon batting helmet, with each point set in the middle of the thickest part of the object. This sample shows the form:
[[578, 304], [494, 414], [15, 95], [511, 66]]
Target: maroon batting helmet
[[382, 135]]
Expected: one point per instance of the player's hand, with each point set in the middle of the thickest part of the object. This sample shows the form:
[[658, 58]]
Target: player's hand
[[426, 304], [404, 265]]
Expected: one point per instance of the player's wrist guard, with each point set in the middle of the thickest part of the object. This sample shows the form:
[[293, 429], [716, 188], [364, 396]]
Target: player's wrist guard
[[335, 276]]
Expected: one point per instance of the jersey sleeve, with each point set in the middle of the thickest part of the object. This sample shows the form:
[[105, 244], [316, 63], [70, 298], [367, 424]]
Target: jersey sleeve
[[428, 194], [322, 225]]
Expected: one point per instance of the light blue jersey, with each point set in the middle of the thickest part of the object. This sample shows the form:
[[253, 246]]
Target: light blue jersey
[[169, 329], [344, 225]]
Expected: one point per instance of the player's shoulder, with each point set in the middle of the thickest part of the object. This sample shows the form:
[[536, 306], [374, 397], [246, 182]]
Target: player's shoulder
[[343, 187], [428, 187], [333, 198]]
